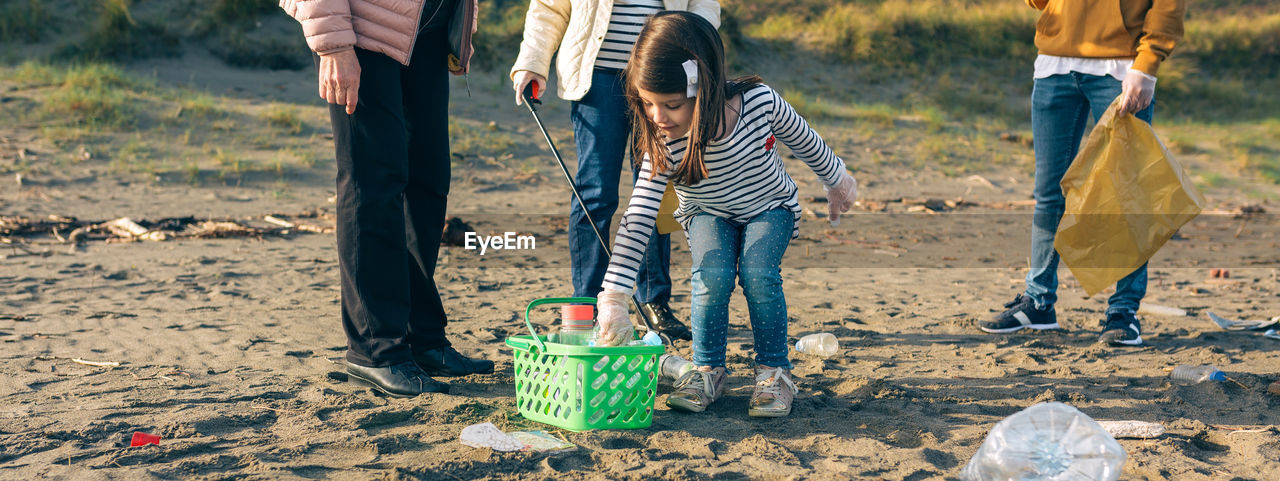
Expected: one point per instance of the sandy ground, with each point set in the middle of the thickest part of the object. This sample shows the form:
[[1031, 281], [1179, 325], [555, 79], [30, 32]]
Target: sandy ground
[[228, 348]]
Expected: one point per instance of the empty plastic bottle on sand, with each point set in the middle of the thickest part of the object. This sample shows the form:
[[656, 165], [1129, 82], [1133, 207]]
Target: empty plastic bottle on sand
[[672, 366], [823, 344], [1188, 374], [1048, 441]]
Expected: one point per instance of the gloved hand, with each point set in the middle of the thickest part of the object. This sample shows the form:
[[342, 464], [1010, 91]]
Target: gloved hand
[[613, 322], [840, 198], [522, 80], [1138, 90]]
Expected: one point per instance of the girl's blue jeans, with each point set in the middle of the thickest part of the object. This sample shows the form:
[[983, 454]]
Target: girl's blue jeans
[[751, 253], [1060, 107]]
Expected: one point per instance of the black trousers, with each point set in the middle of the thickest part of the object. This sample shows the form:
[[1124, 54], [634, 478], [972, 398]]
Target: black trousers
[[393, 182]]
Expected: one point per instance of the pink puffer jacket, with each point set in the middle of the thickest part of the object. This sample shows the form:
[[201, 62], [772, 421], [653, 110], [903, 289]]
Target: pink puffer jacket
[[384, 26]]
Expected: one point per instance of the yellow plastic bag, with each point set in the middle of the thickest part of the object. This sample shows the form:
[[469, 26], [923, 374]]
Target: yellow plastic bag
[[1125, 197]]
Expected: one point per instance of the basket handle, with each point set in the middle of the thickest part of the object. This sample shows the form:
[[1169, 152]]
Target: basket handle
[[550, 300]]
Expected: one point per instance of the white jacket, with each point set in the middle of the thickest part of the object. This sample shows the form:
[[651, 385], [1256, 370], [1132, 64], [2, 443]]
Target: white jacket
[[576, 28]]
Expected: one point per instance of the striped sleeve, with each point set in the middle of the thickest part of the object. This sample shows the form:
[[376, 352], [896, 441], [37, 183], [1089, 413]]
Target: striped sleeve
[[804, 142], [635, 229]]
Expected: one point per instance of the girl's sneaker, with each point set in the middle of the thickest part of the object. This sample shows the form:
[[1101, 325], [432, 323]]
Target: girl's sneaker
[[697, 389], [773, 394]]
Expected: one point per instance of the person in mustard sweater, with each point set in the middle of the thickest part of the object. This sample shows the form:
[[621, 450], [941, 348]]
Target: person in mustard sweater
[[594, 39], [1091, 52]]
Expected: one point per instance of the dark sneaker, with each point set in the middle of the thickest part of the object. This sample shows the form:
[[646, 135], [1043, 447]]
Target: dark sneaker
[[1121, 329], [660, 316], [1021, 313]]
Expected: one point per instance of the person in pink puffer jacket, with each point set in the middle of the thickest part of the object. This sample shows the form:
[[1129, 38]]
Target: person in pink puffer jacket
[[384, 68]]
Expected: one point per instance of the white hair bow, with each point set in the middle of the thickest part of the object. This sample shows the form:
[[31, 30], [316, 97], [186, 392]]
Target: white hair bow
[[691, 76]]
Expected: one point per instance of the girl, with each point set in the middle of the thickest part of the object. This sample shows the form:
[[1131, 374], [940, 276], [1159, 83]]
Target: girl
[[591, 41], [716, 141]]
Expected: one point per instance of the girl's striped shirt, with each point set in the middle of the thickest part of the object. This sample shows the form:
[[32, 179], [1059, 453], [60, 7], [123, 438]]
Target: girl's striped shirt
[[746, 177], [625, 22]]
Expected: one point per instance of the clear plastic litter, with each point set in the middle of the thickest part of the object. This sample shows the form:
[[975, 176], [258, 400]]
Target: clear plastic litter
[[1187, 374], [1047, 442], [821, 344], [542, 442], [1132, 429], [1232, 325], [1157, 309], [486, 435], [672, 366]]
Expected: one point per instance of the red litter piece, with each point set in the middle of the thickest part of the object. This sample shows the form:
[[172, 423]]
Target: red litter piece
[[142, 439]]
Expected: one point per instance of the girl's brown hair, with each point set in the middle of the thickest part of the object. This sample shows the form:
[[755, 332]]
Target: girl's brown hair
[[667, 41]]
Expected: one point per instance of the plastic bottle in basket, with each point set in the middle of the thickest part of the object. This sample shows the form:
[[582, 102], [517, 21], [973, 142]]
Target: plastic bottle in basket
[[672, 366], [1049, 441], [650, 338], [575, 324], [1188, 374]]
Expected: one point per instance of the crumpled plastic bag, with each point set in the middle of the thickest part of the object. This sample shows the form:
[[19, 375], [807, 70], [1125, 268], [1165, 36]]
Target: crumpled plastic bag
[[1125, 197], [486, 435]]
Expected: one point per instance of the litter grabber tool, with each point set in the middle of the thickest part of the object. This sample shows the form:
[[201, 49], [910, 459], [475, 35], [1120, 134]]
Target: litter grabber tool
[[531, 102]]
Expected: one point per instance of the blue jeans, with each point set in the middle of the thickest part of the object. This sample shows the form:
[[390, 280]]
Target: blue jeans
[[601, 124], [1059, 105], [752, 253]]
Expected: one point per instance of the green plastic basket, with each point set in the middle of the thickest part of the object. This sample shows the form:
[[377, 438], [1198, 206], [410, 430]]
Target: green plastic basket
[[582, 387]]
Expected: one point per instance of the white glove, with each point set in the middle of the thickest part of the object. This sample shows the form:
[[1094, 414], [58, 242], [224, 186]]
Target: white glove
[[840, 198], [522, 80], [613, 322], [1138, 90]]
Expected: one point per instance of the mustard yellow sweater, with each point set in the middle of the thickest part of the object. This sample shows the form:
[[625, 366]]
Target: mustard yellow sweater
[[1143, 30]]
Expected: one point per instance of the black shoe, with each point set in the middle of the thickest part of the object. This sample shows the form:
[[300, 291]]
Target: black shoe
[[401, 380], [1021, 313], [660, 317], [1121, 329], [447, 361]]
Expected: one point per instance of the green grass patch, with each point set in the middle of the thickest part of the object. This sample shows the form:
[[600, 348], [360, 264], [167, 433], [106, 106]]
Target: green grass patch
[[224, 12], [33, 73], [96, 96], [23, 20], [812, 107], [898, 33], [116, 34], [260, 48], [197, 106], [284, 118], [476, 142], [1259, 156], [501, 26]]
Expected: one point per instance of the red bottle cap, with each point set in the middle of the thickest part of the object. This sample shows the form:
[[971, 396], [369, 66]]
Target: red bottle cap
[[577, 316]]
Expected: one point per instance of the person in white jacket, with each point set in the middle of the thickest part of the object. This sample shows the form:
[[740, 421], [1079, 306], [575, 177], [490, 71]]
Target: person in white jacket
[[594, 39]]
